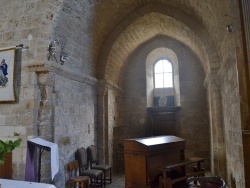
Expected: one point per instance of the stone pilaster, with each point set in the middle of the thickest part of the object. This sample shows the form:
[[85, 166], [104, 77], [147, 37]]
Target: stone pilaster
[[218, 158], [108, 112]]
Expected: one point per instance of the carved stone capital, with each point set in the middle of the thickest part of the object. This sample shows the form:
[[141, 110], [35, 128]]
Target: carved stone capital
[[103, 85]]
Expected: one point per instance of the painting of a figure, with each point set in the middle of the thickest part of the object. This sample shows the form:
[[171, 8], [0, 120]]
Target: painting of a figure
[[3, 73], [7, 58]]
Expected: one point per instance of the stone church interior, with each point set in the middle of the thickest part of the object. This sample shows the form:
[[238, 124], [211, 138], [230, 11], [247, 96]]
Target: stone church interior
[[110, 73]]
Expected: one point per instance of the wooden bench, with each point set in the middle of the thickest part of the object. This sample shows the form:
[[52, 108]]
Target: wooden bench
[[166, 181]]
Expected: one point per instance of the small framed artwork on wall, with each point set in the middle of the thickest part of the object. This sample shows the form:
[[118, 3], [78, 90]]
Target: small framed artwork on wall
[[7, 67]]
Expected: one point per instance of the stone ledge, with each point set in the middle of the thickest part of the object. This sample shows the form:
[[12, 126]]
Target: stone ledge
[[164, 109], [53, 67]]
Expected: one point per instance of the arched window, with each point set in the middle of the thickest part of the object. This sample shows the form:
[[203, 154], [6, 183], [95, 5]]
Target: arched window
[[163, 74]]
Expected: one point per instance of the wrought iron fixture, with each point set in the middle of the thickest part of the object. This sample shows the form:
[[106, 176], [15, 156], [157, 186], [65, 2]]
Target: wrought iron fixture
[[53, 49], [230, 28]]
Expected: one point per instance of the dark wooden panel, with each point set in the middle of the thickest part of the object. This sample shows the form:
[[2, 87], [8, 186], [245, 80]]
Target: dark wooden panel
[[135, 176], [145, 156], [244, 80], [162, 120], [245, 4], [246, 151], [6, 168]]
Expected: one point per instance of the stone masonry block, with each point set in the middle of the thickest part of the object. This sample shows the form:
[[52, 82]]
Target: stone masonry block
[[29, 93], [20, 130], [2, 120], [8, 131]]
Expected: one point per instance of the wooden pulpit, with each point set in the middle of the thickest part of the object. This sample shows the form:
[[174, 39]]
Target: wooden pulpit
[[144, 157]]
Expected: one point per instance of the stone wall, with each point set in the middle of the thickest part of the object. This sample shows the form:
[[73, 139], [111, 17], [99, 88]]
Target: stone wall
[[87, 30], [73, 28], [232, 123], [24, 22], [55, 102], [66, 106], [75, 118], [225, 110], [134, 97], [194, 116], [73, 103]]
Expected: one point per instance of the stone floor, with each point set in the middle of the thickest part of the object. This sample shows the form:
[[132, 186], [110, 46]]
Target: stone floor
[[118, 181]]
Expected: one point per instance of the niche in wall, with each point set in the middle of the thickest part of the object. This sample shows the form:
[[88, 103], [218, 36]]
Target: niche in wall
[[168, 92], [153, 94], [162, 121]]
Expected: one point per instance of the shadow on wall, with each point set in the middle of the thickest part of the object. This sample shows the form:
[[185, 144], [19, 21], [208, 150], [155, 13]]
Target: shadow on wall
[[121, 133], [232, 182], [17, 78]]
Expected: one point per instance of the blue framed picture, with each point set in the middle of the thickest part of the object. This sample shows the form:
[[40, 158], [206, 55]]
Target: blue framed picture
[[7, 62]]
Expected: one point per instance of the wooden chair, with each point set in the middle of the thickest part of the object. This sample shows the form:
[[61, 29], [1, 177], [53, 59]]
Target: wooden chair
[[74, 180], [208, 182], [92, 157], [95, 175]]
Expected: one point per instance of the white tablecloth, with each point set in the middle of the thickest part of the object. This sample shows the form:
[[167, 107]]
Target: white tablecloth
[[23, 184]]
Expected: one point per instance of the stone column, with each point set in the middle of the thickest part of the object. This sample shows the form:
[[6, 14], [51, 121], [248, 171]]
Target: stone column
[[102, 91], [218, 153], [44, 127], [46, 112]]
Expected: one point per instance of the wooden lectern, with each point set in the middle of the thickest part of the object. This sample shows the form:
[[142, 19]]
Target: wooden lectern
[[144, 157]]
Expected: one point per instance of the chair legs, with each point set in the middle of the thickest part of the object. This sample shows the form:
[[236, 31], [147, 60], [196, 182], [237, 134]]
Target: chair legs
[[97, 182], [78, 185], [101, 181], [79, 182], [110, 177]]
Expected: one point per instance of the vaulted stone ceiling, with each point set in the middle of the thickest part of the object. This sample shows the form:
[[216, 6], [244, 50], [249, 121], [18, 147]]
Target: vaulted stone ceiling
[[120, 26]]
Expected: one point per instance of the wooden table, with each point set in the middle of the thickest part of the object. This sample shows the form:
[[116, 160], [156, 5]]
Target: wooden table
[[6, 183]]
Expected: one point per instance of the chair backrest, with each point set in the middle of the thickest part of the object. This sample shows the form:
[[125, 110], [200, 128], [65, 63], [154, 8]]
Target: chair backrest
[[72, 168], [81, 157], [92, 155]]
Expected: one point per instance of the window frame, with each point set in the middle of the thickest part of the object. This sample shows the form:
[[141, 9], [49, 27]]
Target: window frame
[[162, 59]]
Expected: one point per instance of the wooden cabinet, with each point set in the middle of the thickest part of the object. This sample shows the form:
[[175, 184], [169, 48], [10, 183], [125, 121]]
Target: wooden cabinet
[[144, 156], [163, 120], [6, 168]]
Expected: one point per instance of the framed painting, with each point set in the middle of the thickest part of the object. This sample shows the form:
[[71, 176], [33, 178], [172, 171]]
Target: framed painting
[[7, 67]]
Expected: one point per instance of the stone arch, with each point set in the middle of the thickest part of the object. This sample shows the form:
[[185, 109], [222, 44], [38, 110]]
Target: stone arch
[[134, 107], [144, 24], [200, 40]]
